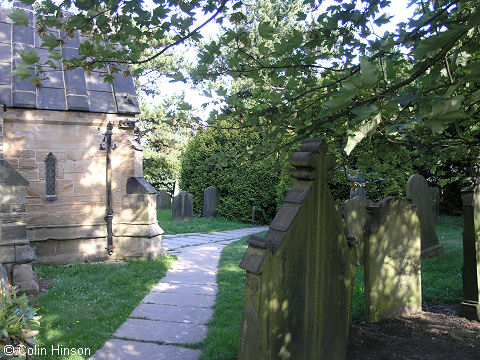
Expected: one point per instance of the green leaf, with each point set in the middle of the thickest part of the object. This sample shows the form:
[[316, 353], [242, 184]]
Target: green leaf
[[350, 84], [433, 44], [364, 112], [301, 16], [184, 106], [55, 55], [50, 41], [295, 39], [444, 113], [363, 130], [29, 57], [280, 48], [263, 49], [51, 64], [448, 109], [21, 71], [221, 91], [340, 100], [382, 20], [178, 76], [266, 30], [19, 17], [368, 72], [237, 5]]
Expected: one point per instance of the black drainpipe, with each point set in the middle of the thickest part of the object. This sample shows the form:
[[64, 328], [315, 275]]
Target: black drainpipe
[[108, 146]]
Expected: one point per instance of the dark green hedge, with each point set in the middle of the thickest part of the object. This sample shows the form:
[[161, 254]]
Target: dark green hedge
[[248, 175], [236, 164], [160, 171]]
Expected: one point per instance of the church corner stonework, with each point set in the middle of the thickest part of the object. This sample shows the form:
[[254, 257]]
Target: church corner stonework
[[70, 226]]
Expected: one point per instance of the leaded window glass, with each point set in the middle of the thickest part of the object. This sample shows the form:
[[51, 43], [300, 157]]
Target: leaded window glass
[[50, 175]]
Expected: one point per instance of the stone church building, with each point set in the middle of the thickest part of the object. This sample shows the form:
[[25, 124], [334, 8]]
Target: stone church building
[[57, 138]]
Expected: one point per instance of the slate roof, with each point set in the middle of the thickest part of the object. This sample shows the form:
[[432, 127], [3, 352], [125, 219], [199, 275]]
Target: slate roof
[[64, 90]]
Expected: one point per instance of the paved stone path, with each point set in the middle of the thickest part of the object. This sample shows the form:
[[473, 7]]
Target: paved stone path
[[178, 308]]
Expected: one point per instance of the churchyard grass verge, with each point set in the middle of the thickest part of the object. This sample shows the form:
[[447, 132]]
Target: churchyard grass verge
[[86, 303], [222, 338], [441, 283], [197, 224]]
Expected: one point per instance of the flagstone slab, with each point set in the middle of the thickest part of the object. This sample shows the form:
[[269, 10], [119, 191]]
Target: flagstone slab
[[191, 240], [207, 269], [181, 314], [183, 288], [182, 299], [116, 349], [161, 331], [188, 274], [194, 278], [192, 281]]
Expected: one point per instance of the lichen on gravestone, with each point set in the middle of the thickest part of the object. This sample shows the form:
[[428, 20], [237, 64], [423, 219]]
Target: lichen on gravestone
[[299, 278], [392, 269]]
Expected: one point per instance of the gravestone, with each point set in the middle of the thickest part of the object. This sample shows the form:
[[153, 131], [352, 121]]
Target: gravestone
[[419, 194], [435, 192], [355, 218], [164, 200], [392, 260], [471, 254], [357, 185], [299, 277], [182, 209], [211, 199]]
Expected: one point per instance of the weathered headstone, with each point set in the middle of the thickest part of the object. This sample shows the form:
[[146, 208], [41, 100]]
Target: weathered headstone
[[299, 277], [419, 193], [211, 199], [164, 200], [357, 186], [471, 253], [182, 209], [392, 261], [435, 192], [356, 218]]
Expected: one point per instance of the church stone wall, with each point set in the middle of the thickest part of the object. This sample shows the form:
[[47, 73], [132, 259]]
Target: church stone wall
[[71, 226]]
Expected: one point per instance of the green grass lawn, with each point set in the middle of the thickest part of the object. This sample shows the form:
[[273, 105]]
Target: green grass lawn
[[86, 303], [201, 225], [441, 283]]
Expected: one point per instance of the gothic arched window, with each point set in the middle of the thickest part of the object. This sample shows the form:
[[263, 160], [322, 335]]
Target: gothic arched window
[[50, 176]]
